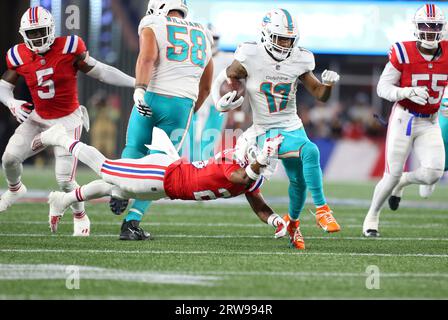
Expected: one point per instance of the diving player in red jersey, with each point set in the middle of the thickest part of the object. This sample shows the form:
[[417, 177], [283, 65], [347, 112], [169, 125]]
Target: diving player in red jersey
[[157, 176], [415, 79], [49, 65]]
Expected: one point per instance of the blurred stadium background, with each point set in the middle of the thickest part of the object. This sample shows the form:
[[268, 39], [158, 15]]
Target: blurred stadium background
[[350, 37]]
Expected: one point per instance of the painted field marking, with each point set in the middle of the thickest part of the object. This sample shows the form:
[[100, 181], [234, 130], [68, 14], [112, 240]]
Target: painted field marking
[[226, 236], [58, 272], [220, 253]]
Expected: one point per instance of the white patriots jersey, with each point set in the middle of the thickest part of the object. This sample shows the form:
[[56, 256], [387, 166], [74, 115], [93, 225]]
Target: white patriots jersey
[[272, 85], [184, 52]]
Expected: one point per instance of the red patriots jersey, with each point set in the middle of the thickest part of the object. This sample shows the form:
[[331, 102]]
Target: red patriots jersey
[[51, 77], [206, 180], [416, 71]]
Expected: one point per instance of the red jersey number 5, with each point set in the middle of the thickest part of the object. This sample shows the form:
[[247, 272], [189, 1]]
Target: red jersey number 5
[[46, 85]]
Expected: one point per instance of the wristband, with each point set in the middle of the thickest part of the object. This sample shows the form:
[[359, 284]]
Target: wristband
[[274, 220], [251, 174]]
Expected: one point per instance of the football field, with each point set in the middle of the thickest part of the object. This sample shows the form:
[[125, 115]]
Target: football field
[[220, 250]]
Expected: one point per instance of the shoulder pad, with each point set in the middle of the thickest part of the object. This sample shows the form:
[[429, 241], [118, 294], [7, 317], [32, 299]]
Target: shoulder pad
[[399, 53], [72, 44], [15, 57], [246, 49], [150, 21]]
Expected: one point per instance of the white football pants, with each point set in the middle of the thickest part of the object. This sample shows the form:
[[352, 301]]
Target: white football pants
[[406, 132]]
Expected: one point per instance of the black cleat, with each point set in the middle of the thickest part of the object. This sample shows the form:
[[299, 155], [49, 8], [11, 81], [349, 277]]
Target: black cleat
[[118, 206], [131, 231], [394, 203], [371, 233]]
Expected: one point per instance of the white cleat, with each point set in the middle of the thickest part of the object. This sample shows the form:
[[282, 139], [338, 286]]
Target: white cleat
[[370, 229], [426, 191], [57, 209], [9, 198], [81, 227], [50, 137]]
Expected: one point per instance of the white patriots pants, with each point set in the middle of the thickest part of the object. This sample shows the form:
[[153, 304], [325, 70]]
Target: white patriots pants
[[19, 149], [137, 178], [407, 132]]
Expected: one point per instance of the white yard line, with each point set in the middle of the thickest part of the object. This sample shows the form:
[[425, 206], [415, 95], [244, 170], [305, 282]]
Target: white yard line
[[221, 253], [227, 236], [61, 272], [231, 225]]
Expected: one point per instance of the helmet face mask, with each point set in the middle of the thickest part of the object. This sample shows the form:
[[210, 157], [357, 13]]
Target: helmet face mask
[[38, 30], [429, 22], [279, 33]]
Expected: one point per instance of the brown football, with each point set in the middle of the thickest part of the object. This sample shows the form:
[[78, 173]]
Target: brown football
[[238, 85]]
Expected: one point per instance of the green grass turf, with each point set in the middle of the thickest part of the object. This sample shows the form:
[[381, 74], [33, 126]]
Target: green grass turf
[[229, 243]]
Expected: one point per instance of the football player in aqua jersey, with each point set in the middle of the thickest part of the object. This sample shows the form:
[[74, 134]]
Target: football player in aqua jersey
[[208, 124], [49, 65], [174, 73], [414, 79], [273, 68]]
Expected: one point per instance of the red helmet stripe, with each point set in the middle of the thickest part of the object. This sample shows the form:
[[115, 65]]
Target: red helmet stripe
[[433, 7], [36, 15], [30, 12]]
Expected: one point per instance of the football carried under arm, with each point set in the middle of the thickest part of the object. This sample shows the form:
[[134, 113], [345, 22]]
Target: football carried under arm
[[103, 72], [20, 109], [234, 73], [320, 90], [388, 88]]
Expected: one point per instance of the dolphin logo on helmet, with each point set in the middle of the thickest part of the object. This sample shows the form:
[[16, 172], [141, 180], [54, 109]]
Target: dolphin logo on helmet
[[278, 24]]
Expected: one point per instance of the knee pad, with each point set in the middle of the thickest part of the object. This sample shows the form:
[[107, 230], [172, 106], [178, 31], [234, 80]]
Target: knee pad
[[310, 153], [8, 161], [431, 176]]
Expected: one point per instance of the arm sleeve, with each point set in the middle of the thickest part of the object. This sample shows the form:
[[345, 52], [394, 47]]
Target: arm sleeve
[[388, 85], [109, 74]]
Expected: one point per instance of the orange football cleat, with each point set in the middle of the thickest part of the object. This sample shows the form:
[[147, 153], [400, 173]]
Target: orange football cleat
[[325, 220], [295, 236]]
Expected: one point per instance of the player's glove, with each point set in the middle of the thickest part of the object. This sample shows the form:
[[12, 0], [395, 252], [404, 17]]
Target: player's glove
[[139, 101], [21, 109], [330, 78], [226, 103], [270, 149], [418, 95]]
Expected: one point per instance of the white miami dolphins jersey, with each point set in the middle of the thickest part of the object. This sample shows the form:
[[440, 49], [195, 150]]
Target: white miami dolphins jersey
[[272, 85], [184, 52]]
